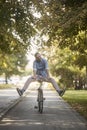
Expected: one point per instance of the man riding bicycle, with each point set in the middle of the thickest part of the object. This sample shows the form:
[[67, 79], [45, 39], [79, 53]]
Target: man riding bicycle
[[40, 72]]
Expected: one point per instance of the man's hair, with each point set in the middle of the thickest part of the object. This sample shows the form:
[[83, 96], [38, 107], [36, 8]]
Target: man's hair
[[36, 54]]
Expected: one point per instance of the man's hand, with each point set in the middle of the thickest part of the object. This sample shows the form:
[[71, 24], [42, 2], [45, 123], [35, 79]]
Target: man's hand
[[48, 77], [34, 76]]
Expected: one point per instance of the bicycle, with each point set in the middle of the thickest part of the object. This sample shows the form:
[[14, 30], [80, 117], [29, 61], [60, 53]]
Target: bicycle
[[40, 98]]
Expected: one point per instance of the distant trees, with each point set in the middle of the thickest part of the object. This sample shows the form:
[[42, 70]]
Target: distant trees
[[12, 64]]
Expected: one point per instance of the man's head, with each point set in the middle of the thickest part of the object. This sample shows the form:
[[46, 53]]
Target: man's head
[[37, 56]]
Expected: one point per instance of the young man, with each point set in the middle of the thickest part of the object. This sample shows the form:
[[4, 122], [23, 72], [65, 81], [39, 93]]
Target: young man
[[40, 72]]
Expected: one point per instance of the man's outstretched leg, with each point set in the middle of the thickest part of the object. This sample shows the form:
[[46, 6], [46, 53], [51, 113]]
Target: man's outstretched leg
[[27, 83], [55, 85]]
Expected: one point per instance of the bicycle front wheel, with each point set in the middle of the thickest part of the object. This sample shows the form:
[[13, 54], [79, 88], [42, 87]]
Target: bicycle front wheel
[[40, 104], [40, 100]]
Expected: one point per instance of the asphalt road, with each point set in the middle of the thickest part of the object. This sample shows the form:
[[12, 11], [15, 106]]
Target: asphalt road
[[57, 115]]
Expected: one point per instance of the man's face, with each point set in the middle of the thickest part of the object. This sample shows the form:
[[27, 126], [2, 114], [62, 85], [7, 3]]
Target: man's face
[[38, 57]]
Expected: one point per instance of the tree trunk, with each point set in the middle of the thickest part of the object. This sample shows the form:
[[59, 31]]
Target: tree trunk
[[6, 79], [86, 79]]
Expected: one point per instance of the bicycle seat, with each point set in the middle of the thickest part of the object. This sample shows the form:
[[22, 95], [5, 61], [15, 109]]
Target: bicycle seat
[[41, 79]]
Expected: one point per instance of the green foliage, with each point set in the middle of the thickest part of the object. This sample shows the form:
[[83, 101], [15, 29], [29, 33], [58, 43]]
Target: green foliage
[[14, 17], [81, 60], [15, 30], [12, 64], [66, 77], [63, 22], [5, 86], [63, 65], [66, 27]]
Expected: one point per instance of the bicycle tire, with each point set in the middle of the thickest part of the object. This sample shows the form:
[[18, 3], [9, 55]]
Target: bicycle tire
[[40, 100]]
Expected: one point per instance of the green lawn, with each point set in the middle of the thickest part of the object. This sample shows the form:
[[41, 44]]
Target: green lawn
[[5, 86], [78, 100]]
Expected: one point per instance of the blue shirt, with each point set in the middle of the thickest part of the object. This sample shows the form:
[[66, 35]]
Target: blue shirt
[[40, 67]]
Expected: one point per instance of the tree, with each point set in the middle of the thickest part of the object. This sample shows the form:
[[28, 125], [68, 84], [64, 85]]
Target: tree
[[61, 21], [67, 26], [12, 64], [15, 30], [62, 65]]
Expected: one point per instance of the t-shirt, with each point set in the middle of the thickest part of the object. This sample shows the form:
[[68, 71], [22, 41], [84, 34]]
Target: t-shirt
[[40, 67]]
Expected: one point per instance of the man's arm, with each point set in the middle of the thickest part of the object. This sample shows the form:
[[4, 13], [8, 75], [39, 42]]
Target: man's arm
[[48, 75], [34, 69], [34, 73], [47, 69]]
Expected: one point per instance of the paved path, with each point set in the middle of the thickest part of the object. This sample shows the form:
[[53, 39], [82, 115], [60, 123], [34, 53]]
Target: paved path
[[57, 115], [8, 98]]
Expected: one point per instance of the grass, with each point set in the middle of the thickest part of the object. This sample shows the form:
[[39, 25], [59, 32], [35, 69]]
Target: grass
[[5, 86], [78, 100]]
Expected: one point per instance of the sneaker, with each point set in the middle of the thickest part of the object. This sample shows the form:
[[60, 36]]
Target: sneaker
[[19, 91], [61, 93]]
